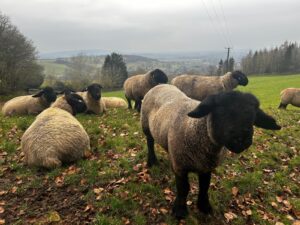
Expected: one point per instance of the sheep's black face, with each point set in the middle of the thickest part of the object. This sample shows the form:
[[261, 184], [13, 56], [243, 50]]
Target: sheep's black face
[[240, 77], [233, 126], [76, 102], [233, 115], [159, 76], [48, 93], [95, 91]]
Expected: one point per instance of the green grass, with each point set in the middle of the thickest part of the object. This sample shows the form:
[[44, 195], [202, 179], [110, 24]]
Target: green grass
[[129, 191]]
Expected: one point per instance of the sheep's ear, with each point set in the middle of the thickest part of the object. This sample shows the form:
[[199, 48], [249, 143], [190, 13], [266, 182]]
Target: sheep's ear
[[39, 94], [204, 108], [265, 121]]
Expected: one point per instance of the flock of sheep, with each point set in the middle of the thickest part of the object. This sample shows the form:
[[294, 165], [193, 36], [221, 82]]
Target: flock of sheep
[[195, 119]]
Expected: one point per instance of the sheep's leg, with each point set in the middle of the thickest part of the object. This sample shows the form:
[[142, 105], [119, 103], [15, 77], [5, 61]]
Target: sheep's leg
[[203, 200], [51, 163], [282, 106], [182, 184], [139, 105], [151, 154], [129, 102]]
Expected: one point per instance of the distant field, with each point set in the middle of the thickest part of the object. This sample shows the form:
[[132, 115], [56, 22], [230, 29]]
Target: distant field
[[52, 68], [112, 185], [268, 88]]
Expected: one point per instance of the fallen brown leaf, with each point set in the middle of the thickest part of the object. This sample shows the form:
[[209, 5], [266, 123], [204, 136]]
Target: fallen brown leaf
[[234, 191]]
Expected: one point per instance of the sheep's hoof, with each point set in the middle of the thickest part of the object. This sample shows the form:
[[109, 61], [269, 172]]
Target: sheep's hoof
[[205, 208], [179, 211]]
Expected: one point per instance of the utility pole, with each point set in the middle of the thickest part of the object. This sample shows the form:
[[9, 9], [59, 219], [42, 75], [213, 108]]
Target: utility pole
[[227, 61]]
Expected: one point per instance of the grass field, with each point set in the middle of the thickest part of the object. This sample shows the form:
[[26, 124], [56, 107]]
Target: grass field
[[112, 185]]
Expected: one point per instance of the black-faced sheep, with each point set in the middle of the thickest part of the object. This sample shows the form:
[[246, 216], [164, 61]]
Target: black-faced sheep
[[289, 96], [56, 137], [30, 104], [114, 102], [195, 134], [199, 87], [137, 86], [92, 97]]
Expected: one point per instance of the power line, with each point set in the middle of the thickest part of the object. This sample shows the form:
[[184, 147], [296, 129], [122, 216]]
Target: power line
[[225, 20]]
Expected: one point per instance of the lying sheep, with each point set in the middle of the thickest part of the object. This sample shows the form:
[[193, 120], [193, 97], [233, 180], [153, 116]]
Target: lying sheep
[[92, 97], [199, 87], [56, 137], [195, 133], [289, 96], [114, 102], [137, 86], [66, 101], [30, 104]]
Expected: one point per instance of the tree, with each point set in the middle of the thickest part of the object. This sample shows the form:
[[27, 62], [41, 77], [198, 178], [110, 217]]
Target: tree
[[220, 68], [79, 72], [114, 71], [18, 67]]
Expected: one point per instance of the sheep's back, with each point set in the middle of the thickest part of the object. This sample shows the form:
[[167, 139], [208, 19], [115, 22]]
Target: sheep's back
[[62, 103], [22, 105], [137, 86], [291, 96], [114, 102], [197, 86], [54, 134]]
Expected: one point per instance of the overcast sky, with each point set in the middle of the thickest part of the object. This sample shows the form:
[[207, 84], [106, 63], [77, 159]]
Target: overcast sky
[[154, 25]]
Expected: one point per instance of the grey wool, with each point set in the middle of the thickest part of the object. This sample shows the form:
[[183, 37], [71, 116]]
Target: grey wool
[[196, 134], [199, 87]]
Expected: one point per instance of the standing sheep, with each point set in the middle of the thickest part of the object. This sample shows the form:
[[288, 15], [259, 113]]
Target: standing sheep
[[199, 87], [137, 86], [56, 137], [289, 96], [30, 104], [195, 133], [92, 98], [114, 102]]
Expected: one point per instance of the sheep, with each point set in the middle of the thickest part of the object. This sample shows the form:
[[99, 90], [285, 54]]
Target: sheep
[[199, 87], [92, 97], [56, 137], [195, 134], [137, 86], [289, 96], [114, 102], [66, 101], [29, 104]]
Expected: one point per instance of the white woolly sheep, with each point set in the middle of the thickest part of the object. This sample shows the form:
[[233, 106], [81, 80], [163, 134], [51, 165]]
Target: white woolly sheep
[[137, 86], [92, 97], [56, 137], [195, 133], [289, 96], [199, 87], [114, 102], [29, 104]]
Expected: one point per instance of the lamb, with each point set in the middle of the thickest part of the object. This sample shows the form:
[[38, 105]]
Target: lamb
[[92, 98], [114, 102], [289, 96], [137, 86], [30, 104], [199, 87], [56, 137], [195, 134]]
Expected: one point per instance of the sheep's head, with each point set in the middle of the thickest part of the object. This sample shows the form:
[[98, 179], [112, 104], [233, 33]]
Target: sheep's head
[[159, 77], [75, 101], [48, 93], [95, 91], [240, 77], [233, 115]]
